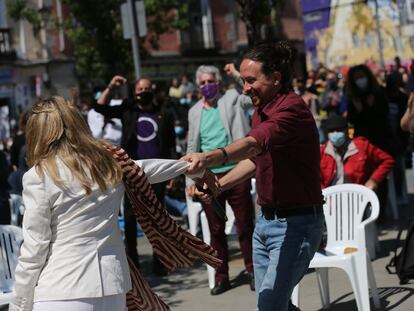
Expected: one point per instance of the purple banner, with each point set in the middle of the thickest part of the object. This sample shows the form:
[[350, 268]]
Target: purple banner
[[316, 14]]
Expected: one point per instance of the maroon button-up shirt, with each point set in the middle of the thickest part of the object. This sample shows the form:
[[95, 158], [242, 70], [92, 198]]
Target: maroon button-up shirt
[[287, 170]]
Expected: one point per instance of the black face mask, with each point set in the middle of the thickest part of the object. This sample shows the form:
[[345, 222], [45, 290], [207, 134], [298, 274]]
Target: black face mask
[[332, 84], [145, 98]]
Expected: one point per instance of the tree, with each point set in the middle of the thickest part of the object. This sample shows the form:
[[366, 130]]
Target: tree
[[94, 27], [262, 19]]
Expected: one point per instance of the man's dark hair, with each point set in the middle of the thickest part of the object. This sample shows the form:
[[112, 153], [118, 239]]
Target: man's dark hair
[[277, 56]]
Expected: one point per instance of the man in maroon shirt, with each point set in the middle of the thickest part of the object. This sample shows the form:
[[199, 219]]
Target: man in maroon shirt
[[282, 149]]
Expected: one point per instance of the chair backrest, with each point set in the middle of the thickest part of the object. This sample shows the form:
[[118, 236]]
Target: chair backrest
[[15, 202], [344, 209], [11, 238]]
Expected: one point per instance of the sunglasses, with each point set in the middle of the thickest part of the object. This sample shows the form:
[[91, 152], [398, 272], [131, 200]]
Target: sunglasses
[[207, 82]]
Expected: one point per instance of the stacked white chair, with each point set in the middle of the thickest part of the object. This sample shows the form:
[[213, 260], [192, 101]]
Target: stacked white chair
[[344, 211], [16, 208], [11, 238], [229, 230], [193, 210]]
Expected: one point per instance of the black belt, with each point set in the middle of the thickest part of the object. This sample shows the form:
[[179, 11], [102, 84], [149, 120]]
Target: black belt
[[272, 213]]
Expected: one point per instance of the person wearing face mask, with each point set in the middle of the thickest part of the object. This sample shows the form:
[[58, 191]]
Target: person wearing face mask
[[368, 112], [332, 94], [215, 121], [181, 137], [367, 108], [345, 160], [147, 133]]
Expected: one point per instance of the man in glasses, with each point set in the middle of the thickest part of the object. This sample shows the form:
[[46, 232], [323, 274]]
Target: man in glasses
[[215, 121], [147, 133]]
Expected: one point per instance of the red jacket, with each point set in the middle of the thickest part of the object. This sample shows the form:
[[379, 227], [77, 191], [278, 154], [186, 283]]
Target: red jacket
[[361, 163]]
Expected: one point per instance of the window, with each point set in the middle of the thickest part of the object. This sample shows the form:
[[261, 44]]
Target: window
[[3, 14]]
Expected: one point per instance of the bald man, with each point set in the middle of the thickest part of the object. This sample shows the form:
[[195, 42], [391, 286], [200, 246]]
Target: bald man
[[147, 133]]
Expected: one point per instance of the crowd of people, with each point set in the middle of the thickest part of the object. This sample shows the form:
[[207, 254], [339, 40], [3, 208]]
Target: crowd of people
[[295, 135]]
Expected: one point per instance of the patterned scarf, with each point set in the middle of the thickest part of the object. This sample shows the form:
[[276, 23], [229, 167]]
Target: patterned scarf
[[174, 246]]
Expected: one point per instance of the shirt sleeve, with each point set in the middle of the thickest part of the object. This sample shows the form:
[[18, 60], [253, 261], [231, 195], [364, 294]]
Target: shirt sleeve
[[245, 102], [278, 130], [36, 236], [110, 111], [383, 162], [191, 137], [159, 170]]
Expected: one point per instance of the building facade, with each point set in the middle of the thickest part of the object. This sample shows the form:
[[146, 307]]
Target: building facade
[[216, 36], [34, 61]]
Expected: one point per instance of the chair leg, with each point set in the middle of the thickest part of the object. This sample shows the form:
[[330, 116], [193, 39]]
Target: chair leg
[[295, 295], [371, 237], [323, 283], [351, 271], [206, 238], [373, 285], [359, 280], [194, 209]]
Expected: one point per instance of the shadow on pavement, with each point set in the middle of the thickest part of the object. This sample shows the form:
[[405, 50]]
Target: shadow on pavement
[[180, 280], [184, 279], [385, 293]]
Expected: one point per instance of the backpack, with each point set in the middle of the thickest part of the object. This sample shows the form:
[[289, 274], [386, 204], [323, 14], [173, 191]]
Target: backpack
[[403, 263]]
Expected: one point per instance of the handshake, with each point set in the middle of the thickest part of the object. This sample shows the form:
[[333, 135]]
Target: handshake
[[207, 187]]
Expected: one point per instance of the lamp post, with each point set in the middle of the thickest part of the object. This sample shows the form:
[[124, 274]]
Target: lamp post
[[44, 13], [378, 29]]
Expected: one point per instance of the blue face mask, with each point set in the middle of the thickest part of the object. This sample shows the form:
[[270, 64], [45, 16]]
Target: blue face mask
[[337, 138], [185, 101], [97, 95], [178, 130]]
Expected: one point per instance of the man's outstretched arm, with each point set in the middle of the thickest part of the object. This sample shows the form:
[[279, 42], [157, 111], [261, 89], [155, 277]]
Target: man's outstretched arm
[[244, 169], [244, 148]]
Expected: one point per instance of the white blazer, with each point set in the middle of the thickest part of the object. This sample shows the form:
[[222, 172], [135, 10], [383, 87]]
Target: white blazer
[[73, 246]]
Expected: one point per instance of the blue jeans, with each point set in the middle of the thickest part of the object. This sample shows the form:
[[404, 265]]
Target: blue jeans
[[282, 251], [179, 207]]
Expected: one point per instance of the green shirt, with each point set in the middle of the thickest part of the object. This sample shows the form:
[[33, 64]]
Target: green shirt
[[213, 135]]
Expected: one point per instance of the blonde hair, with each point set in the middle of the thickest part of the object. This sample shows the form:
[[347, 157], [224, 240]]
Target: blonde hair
[[57, 130]]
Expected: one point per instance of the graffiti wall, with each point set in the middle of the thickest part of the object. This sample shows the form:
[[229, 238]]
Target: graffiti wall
[[345, 32]]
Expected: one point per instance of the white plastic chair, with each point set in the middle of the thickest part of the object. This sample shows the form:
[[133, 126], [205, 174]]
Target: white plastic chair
[[229, 230], [193, 210], [11, 238], [344, 210], [16, 208]]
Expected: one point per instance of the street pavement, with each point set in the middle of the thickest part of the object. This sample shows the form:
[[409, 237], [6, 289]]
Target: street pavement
[[187, 289]]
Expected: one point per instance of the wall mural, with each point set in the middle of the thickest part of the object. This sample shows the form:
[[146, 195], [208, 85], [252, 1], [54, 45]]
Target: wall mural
[[344, 33]]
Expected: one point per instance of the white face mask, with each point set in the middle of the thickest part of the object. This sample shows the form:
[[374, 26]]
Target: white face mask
[[362, 83]]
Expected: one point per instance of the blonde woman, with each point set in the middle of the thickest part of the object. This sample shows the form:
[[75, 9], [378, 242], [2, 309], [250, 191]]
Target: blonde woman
[[73, 256]]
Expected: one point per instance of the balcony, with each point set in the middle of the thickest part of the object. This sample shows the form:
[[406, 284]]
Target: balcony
[[7, 53]]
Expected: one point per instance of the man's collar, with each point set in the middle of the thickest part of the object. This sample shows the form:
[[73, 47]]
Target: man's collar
[[267, 109]]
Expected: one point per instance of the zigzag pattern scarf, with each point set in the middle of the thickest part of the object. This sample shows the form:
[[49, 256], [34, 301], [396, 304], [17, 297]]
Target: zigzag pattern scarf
[[175, 246]]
